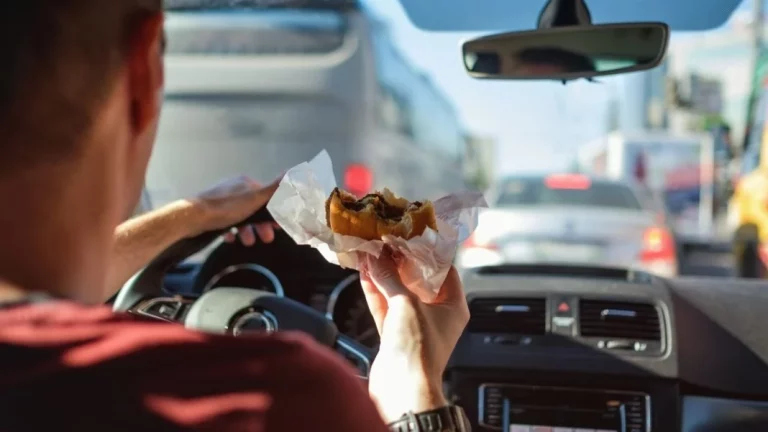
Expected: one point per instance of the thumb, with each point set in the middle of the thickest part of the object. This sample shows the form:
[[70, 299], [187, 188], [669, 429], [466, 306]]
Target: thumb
[[377, 303], [383, 273]]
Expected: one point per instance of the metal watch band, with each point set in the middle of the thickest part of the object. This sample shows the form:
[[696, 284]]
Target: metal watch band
[[447, 419]]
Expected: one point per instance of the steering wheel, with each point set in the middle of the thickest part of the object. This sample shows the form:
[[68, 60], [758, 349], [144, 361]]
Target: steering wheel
[[232, 311]]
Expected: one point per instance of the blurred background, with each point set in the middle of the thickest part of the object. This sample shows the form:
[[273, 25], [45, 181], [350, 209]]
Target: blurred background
[[656, 170]]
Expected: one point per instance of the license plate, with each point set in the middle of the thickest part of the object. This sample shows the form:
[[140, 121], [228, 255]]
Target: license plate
[[568, 252]]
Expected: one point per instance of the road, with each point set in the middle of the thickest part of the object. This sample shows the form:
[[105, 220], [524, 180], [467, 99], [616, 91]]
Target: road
[[717, 261], [717, 264]]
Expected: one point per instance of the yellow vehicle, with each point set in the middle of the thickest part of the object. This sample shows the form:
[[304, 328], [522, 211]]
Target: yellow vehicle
[[748, 207]]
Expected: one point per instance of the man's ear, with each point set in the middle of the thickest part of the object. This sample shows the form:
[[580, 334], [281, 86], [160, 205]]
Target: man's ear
[[145, 69]]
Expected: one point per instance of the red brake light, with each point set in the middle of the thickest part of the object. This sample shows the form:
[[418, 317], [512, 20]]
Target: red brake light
[[473, 242], [358, 179], [568, 181], [657, 245]]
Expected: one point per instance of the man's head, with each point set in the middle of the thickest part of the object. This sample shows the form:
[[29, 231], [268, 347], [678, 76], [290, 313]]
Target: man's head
[[80, 95]]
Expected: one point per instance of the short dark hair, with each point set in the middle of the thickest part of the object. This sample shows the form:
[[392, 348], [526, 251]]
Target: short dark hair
[[59, 59]]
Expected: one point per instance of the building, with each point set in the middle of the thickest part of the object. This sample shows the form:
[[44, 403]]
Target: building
[[721, 59], [644, 102], [480, 161]]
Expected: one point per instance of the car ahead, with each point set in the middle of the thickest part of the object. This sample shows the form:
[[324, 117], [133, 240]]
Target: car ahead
[[570, 219]]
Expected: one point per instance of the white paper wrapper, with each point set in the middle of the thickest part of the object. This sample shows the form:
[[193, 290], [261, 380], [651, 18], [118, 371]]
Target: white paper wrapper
[[298, 206]]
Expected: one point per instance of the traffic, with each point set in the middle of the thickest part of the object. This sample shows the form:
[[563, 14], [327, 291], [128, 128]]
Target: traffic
[[273, 87]]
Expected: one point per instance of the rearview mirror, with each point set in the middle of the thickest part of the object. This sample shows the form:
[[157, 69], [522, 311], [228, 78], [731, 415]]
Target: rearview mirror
[[567, 53]]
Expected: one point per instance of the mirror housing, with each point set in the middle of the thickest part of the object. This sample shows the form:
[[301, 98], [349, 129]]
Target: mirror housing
[[567, 53]]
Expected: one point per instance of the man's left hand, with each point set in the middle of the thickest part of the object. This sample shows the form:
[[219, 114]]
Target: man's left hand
[[232, 201]]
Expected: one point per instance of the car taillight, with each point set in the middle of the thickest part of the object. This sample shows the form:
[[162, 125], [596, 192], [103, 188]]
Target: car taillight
[[658, 245], [358, 179], [568, 181], [474, 242]]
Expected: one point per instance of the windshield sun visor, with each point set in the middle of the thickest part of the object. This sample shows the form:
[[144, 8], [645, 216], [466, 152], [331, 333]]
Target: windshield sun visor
[[506, 15]]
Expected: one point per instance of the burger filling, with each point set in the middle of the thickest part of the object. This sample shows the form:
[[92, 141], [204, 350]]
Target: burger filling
[[381, 207]]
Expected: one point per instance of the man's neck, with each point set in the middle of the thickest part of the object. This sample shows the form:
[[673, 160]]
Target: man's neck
[[53, 235]]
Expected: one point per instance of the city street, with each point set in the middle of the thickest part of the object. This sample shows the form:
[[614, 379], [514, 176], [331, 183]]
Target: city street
[[716, 260], [717, 263]]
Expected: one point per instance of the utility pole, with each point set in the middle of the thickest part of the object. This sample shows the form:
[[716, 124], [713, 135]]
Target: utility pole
[[757, 29], [758, 11]]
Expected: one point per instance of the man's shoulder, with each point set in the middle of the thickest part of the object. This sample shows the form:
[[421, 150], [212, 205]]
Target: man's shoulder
[[71, 326], [156, 373]]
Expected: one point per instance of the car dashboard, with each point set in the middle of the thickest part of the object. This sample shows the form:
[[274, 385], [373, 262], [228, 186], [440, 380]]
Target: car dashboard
[[557, 348], [578, 349]]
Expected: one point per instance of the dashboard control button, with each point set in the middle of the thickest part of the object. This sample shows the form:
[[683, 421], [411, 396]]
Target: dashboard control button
[[509, 340], [620, 345], [564, 306], [165, 309], [563, 312], [506, 340]]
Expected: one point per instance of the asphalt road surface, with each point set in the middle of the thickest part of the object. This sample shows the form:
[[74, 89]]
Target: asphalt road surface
[[705, 263], [715, 261]]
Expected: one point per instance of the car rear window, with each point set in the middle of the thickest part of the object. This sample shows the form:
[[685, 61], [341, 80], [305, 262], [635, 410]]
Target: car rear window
[[536, 192]]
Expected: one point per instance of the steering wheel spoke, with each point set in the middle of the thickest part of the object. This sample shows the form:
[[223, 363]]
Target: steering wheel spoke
[[169, 309]]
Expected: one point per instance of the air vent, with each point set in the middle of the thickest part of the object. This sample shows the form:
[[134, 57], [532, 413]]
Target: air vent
[[619, 320], [569, 271], [525, 316]]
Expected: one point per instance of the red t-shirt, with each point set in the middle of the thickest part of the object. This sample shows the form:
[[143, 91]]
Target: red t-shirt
[[64, 366]]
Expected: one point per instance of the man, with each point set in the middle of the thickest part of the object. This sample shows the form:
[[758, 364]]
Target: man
[[80, 96]]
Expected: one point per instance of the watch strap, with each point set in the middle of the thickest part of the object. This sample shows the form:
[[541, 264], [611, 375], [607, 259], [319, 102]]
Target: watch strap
[[450, 418]]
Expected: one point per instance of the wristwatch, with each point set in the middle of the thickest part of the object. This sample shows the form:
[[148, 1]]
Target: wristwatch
[[450, 418]]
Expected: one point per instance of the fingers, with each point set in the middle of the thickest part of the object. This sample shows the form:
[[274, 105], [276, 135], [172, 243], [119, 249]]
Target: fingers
[[266, 232], [247, 235], [452, 289], [383, 273], [376, 301], [262, 195]]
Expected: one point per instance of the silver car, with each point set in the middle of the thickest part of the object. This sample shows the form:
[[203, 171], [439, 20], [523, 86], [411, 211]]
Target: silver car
[[570, 219]]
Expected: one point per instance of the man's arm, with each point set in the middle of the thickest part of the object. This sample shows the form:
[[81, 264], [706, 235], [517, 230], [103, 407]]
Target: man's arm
[[138, 240]]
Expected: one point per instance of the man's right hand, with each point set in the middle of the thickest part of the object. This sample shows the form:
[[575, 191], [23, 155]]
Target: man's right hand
[[417, 338]]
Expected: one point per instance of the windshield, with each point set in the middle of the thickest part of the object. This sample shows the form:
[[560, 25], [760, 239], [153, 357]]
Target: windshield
[[257, 90], [540, 192]]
